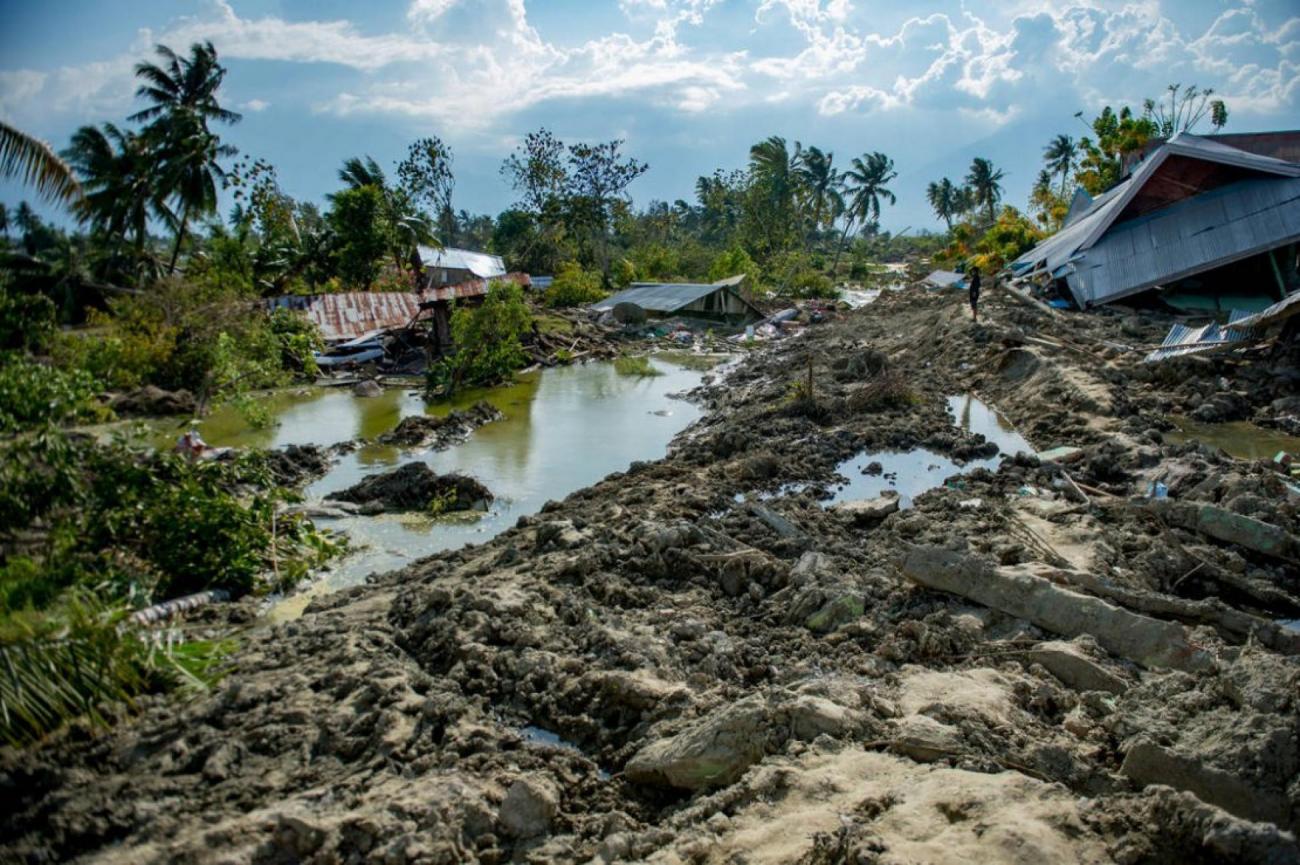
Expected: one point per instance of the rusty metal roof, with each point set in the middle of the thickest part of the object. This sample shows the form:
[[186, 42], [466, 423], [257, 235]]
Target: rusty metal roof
[[353, 314]]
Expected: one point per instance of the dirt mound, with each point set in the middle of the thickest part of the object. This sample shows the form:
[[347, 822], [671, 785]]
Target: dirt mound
[[415, 487], [441, 432], [153, 400], [295, 465]]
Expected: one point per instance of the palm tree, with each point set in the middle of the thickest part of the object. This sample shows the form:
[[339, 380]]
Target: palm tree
[[820, 181], [117, 171], [37, 165], [984, 181], [183, 85], [183, 96], [772, 179], [865, 182], [357, 173], [945, 199], [1061, 156]]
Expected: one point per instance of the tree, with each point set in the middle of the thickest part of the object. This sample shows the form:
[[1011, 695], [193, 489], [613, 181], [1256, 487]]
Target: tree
[[985, 184], [117, 172], [945, 200], [819, 182], [865, 182], [1046, 203], [358, 172], [770, 213], [1184, 110], [356, 217], [182, 93], [36, 164], [425, 176], [1061, 155], [1118, 135], [536, 170], [598, 178]]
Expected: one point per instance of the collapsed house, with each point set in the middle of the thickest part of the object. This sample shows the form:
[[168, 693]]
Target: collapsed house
[[1199, 220], [720, 302], [402, 328]]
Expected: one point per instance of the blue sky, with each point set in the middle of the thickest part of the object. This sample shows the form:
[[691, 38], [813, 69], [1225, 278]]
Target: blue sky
[[689, 84]]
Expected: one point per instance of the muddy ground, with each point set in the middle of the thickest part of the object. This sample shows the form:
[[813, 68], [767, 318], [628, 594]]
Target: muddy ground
[[697, 661]]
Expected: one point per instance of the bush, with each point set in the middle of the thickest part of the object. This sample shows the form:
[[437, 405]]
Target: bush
[[732, 262], [574, 287], [33, 394], [810, 284], [638, 365], [28, 322], [487, 339]]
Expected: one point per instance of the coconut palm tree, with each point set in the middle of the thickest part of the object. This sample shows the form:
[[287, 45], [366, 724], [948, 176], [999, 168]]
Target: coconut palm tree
[[945, 199], [820, 183], [357, 172], [118, 175], [865, 182], [36, 164], [985, 185], [182, 93], [1061, 156]]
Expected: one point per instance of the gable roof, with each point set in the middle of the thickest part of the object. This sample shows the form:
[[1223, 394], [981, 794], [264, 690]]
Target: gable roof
[[669, 297], [1060, 254], [481, 264]]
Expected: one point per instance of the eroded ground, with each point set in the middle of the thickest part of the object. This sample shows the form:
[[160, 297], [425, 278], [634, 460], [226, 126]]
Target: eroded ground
[[698, 661]]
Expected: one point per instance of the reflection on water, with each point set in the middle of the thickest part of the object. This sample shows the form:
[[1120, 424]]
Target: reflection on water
[[564, 429], [1242, 439], [910, 473]]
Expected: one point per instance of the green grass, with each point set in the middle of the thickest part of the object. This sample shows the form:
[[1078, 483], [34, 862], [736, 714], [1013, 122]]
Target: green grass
[[638, 365]]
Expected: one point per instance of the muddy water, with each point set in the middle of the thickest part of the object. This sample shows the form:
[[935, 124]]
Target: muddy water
[[910, 473], [1240, 439], [564, 429]]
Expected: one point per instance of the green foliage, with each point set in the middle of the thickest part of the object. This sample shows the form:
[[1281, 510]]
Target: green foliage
[[487, 340], [574, 286], [356, 220], [80, 657], [140, 524], [1008, 237], [27, 321], [635, 365], [735, 261], [33, 394], [298, 338]]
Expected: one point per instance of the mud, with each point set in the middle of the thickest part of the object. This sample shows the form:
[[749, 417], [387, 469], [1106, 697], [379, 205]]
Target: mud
[[732, 670], [415, 487]]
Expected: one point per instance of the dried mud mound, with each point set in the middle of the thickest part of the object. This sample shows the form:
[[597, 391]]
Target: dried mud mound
[[697, 660], [414, 487]]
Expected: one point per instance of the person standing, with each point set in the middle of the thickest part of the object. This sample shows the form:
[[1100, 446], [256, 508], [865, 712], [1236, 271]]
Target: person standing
[[974, 293]]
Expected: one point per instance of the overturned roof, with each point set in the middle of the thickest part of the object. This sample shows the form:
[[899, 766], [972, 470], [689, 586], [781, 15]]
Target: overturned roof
[[1149, 230], [481, 264], [1183, 340]]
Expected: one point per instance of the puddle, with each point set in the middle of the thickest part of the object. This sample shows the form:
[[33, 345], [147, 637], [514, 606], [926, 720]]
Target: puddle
[[1241, 439], [910, 473], [543, 738]]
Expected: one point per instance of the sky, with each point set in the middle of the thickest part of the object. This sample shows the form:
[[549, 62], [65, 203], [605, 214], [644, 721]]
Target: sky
[[689, 85]]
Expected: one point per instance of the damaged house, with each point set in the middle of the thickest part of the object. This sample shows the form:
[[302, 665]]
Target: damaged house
[[1208, 225], [719, 302]]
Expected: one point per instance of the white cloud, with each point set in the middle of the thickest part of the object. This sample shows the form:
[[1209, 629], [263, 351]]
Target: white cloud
[[255, 105], [474, 61]]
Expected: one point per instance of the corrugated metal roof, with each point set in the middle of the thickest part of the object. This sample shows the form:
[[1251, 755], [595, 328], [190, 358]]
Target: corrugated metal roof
[[1278, 312], [1183, 340], [480, 264], [1210, 230], [659, 297], [1066, 247], [348, 315]]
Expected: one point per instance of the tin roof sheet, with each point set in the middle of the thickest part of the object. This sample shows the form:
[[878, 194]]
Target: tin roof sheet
[[1183, 340], [481, 264]]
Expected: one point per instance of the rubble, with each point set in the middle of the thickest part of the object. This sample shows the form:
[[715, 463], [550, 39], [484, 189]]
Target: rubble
[[438, 433], [720, 663]]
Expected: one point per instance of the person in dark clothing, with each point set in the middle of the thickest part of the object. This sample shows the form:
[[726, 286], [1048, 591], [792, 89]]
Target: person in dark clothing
[[974, 292]]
